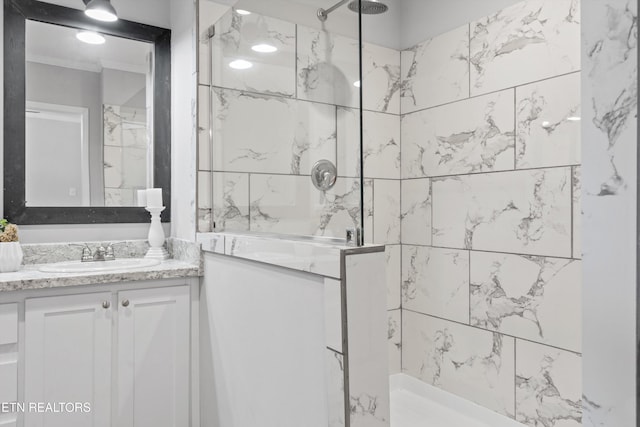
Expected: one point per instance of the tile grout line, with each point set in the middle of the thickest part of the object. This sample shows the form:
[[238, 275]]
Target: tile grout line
[[478, 328], [470, 174], [493, 92], [492, 252]]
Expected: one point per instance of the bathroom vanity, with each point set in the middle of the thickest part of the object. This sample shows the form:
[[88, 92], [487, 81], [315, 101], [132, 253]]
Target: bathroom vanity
[[117, 342]]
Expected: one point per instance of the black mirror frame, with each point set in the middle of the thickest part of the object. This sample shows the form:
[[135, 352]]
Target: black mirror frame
[[16, 12]]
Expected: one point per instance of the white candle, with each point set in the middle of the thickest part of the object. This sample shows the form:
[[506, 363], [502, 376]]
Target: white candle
[[154, 198], [142, 198]]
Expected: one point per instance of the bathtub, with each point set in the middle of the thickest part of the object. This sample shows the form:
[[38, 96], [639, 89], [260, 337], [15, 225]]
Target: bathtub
[[416, 404]]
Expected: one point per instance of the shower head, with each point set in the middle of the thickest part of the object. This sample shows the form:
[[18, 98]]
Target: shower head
[[367, 7]]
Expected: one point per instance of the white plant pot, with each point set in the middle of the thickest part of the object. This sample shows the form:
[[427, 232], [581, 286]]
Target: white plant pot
[[10, 257]]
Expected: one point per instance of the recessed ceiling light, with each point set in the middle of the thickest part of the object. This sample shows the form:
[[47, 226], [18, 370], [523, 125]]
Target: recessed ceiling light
[[240, 64], [242, 12], [90, 37], [574, 119], [264, 48], [101, 10], [357, 84]]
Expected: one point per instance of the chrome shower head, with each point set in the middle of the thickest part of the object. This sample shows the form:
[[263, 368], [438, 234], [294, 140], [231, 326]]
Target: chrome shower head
[[368, 7]]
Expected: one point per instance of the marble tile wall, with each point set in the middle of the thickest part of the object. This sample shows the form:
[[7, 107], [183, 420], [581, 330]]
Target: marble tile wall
[[262, 129], [491, 292], [125, 154], [608, 179]]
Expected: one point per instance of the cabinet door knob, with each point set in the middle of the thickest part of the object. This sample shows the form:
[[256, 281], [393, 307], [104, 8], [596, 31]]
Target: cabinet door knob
[[125, 303], [106, 304]]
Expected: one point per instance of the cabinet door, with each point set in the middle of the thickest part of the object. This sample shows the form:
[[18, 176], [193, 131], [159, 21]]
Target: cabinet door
[[68, 358], [153, 358], [8, 360]]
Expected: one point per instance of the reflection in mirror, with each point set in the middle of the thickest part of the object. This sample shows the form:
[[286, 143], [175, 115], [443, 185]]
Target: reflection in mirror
[[88, 119]]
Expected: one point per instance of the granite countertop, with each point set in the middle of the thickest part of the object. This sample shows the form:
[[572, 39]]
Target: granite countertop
[[29, 277], [185, 262]]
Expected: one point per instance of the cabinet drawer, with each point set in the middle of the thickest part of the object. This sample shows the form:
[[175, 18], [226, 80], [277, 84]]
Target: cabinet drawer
[[8, 324]]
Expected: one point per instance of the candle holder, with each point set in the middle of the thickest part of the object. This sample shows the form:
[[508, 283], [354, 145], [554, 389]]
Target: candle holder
[[156, 235]]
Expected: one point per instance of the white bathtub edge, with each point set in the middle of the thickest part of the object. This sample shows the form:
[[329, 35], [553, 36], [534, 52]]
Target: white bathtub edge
[[405, 382]]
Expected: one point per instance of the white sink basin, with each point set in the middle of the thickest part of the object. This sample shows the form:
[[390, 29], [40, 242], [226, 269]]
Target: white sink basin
[[98, 266]]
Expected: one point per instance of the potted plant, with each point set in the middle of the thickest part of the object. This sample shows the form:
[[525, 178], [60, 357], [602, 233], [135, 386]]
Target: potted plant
[[10, 250]]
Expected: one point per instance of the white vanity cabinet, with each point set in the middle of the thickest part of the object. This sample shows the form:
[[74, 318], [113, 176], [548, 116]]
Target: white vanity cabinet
[[68, 357], [126, 352], [153, 358], [8, 360]]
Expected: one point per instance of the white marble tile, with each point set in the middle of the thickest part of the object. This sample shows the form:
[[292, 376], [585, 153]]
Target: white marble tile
[[335, 388], [333, 314], [113, 164], [209, 12], [292, 205], [436, 72], [134, 167], [271, 73], [328, 67], [535, 298], [474, 135], [577, 214], [393, 254], [609, 200], [394, 336], [118, 197], [416, 211], [230, 201], [308, 256], [436, 282], [548, 123], [381, 140], [205, 182], [474, 364], [112, 125], [386, 211], [204, 127], [246, 139], [548, 386], [529, 41], [204, 220], [368, 340], [381, 79], [526, 212]]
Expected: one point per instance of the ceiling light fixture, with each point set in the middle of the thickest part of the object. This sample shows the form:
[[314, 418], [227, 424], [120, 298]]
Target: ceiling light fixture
[[90, 37], [574, 119], [242, 12], [264, 48], [240, 64], [102, 10]]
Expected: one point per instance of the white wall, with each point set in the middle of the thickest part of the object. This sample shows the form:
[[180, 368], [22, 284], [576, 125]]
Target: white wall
[[66, 86], [152, 12]]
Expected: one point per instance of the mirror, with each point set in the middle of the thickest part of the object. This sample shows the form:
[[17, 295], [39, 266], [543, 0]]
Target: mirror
[[89, 118]]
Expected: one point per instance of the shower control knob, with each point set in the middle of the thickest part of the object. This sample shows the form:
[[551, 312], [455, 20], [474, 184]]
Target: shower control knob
[[324, 175]]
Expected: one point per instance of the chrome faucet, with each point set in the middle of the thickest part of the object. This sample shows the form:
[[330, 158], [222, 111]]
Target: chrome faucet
[[100, 254]]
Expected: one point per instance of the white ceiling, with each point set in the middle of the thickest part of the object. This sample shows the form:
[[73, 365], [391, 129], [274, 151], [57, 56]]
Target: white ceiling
[[151, 12], [56, 45]]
